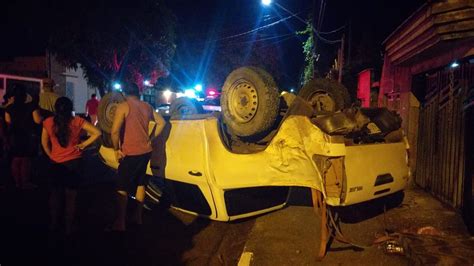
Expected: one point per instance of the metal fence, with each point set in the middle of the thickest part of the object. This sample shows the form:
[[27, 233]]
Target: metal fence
[[440, 156]]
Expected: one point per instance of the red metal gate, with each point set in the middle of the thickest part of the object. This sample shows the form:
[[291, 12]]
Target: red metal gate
[[440, 157]]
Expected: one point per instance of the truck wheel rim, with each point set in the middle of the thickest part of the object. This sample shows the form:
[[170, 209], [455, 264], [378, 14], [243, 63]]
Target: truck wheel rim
[[322, 102], [243, 101]]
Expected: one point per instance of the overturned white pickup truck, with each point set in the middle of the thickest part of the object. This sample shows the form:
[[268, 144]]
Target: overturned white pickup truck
[[243, 161]]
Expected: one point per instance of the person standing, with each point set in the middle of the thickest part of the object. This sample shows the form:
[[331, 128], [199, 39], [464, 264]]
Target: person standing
[[61, 142], [92, 106], [47, 98], [132, 151], [21, 117], [3, 150]]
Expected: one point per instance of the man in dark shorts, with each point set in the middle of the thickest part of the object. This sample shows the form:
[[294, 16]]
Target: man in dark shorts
[[133, 151]]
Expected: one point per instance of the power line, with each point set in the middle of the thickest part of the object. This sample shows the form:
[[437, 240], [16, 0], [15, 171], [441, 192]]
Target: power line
[[295, 15], [322, 10], [256, 29], [275, 42], [266, 39], [321, 15], [324, 39], [333, 31]]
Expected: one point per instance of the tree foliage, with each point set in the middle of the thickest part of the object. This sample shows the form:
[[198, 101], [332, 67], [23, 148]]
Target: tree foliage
[[230, 55], [308, 51], [114, 41]]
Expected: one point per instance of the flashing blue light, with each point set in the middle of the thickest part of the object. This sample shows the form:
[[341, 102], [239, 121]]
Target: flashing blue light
[[454, 64], [190, 93], [117, 86], [266, 2], [198, 87]]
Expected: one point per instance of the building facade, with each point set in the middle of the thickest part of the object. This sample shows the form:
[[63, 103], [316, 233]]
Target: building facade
[[69, 82], [427, 75]]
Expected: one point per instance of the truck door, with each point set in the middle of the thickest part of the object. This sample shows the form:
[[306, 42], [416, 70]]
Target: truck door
[[186, 168]]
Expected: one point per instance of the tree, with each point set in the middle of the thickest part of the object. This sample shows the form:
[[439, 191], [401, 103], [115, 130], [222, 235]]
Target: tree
[[232, 55], [308, 51], [115, 41]]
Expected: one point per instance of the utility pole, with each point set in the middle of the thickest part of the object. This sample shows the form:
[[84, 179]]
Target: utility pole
[[313, 15], [341, 58], [349, 42]]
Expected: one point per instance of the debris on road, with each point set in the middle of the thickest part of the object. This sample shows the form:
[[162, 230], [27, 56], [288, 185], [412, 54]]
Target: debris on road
[[393, 247], [429, 230]]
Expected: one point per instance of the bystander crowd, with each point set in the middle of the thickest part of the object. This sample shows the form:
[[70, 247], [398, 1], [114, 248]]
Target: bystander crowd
[[21, 117]]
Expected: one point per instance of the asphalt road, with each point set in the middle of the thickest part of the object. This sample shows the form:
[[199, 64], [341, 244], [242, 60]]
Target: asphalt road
[[167, 237], [285, 237]]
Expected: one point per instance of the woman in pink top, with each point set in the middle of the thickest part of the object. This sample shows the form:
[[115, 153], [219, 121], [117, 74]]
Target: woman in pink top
[[61, 142]]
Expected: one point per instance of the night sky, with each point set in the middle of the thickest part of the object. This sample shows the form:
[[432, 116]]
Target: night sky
[[203, 24]]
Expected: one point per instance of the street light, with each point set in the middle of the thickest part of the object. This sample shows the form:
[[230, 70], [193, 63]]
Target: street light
[[167, 95], [269, 2], [117, 86], [198, 87]]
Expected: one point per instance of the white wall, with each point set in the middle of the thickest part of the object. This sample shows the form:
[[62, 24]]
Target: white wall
[[77, 89]]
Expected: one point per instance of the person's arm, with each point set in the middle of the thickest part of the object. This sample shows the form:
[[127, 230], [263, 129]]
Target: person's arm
[[45, 142], [3, 134], [37, 117], [93, 132], [87, 108], [8, 118], [119, 119]]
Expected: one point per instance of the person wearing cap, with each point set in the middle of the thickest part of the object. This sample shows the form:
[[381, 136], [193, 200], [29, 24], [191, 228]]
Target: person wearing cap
[[47, 98]]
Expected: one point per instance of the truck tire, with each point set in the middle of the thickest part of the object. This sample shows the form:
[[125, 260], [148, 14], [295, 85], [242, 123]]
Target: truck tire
[[249, 101], [325, 95], [185, 106]]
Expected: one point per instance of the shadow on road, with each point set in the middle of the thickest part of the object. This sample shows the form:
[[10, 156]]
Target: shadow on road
[[363, 211], [356, 213], [26, 240]]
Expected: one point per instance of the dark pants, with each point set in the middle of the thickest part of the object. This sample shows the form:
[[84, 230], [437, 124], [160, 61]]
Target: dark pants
[[67, 174], [132, 172]]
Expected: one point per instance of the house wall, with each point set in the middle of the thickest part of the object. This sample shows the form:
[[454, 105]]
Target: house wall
[[363, 87], [396, 85], [77, 89], [56, 73], [68, 82], [31, 66]]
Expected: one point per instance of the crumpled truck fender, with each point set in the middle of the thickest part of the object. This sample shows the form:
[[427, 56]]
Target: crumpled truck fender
[[286, 161]]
